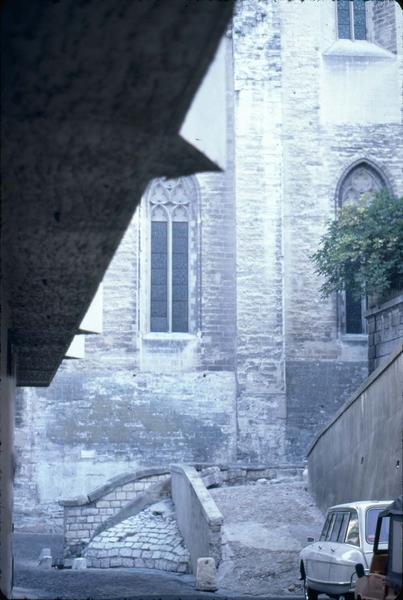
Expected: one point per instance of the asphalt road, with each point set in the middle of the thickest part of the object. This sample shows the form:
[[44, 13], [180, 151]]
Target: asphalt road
[[34, 583]]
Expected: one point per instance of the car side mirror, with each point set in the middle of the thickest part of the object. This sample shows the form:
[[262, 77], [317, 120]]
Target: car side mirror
[[310, 540], [359, 569]]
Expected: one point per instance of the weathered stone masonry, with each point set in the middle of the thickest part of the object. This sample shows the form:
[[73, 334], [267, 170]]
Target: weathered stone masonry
[[269, 363]]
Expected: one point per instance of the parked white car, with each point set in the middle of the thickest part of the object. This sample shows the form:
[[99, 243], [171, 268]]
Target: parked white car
[[328, 566]]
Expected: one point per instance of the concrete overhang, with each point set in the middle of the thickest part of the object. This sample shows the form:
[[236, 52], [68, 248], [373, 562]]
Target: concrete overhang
[[94, 93]]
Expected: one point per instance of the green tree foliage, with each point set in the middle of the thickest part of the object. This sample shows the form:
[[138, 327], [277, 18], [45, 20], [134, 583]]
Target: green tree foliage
[[362, 248]]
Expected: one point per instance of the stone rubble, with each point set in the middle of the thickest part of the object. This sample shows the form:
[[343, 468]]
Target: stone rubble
[[266, 524]]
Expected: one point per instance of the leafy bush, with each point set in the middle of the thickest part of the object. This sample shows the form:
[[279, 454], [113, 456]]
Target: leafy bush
[[362, 248]]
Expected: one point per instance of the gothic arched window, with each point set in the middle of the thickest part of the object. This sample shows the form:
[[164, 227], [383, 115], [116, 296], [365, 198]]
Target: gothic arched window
[[351, 19], [361, 179], [172, 221]]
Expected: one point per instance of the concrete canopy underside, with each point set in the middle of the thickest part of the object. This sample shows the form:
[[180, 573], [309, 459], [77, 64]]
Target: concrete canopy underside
[[94, 94]]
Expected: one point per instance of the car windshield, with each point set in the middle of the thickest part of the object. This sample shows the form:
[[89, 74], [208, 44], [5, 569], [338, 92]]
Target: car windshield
[[370, 526]]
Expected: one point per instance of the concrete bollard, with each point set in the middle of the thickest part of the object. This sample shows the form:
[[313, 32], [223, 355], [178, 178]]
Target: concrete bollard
[[206, 575], [79, 564], [45, 559]]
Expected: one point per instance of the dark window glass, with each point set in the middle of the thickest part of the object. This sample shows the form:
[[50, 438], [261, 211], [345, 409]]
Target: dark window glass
[[329, 531], [325, 528], [395, 565], [159, 278], [343, 19], [353, 313], [353, 530], [370, 526], [336, 527], [342, 533], [359, 19], [180, 276]]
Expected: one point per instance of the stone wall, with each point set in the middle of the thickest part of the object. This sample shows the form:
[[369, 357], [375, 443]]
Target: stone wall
[[268, 364], [359, 453], [322, 136], [385, 330], [383, 24], [198, 517], [259, 171]]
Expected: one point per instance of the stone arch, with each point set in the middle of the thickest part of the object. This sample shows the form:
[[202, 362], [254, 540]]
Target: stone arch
[[362, 177], [372, 170]]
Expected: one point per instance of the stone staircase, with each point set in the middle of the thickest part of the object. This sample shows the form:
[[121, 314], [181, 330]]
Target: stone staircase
[[131, 522], [151, 539]]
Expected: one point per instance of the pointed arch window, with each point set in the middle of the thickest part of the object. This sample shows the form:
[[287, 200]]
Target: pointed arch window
[[172, 218], [361, 179]]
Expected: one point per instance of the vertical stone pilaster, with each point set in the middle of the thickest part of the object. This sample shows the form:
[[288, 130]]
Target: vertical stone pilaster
[[258, 190]]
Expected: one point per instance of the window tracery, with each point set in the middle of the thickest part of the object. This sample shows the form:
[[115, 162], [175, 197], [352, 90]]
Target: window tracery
[[172, 216]]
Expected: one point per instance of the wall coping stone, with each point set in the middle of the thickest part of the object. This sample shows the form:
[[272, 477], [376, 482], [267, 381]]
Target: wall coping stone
[[246, 467], [210, 509], [113, 483], [356, 395], [385, 306]]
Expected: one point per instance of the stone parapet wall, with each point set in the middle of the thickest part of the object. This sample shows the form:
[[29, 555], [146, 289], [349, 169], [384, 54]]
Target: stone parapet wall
[[85, 516], [198, 517], [385, 330], [240, 474]]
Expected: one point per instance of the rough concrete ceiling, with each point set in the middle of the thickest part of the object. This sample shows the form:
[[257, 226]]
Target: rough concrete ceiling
[[93, 96]]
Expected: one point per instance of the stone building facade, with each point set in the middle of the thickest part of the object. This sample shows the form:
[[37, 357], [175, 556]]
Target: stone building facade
[[262, 361]]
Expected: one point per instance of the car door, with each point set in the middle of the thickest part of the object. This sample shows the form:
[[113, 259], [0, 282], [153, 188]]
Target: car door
[[318, 560], [334, 547], [345, 547]]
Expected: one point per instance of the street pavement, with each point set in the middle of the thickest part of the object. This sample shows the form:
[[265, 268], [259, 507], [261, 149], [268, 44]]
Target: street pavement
[[33, 583]]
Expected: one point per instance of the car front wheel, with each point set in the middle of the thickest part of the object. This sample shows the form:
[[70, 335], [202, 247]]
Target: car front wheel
[[309, 593]]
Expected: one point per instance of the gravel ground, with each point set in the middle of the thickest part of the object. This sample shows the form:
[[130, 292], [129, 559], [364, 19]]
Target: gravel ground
[[265, 527]]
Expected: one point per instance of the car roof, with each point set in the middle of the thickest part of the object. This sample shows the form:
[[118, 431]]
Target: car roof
[[363, 504]]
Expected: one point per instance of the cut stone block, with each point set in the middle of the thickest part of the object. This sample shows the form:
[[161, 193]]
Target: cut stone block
[[45, 553], [206, 575], [45, 562], [45, 559], [79, 564]]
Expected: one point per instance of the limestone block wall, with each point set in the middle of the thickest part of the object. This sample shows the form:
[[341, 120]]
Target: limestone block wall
[[84, 517], [258, 81], [268, 364], [322, 137], [383, 24], [128, 405], [385, 330]]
